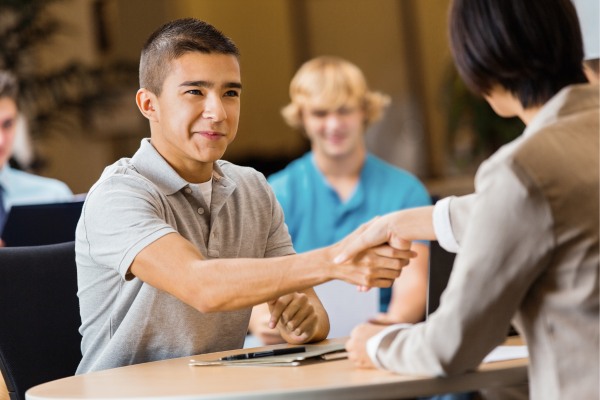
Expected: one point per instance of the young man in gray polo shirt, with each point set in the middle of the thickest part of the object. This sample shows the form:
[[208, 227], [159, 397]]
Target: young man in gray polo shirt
[[174, 247]]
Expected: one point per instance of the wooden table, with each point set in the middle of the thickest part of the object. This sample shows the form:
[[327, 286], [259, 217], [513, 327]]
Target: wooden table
[[340, 379]]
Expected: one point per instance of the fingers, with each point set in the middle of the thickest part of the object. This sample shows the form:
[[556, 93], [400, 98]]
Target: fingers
[[373, 235], [291, 310], [391, 252], [296, 322], [307, 326], [277, 307]]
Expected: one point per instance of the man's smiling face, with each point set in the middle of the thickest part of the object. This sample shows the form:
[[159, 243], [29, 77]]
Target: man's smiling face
[[199, 107]]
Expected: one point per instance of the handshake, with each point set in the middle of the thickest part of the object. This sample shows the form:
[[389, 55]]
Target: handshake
[[372, 256]]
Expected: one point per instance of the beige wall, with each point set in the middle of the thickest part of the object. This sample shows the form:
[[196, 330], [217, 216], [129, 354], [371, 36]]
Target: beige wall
[[436, 59], [368, 33], [260, 28]]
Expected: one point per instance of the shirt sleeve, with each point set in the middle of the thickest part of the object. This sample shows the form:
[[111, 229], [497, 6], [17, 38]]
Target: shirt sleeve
[[507, 243], [442, 226], [121, 216], [279, 242]]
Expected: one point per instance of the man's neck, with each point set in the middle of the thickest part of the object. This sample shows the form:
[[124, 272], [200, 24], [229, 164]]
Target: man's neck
[[190, 170], [342, 173]]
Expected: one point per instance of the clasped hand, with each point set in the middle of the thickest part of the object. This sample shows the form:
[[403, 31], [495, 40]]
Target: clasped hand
[[295, 316]]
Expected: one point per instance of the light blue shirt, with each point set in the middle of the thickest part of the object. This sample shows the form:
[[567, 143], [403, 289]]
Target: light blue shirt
[[315, 215], [20, 188]]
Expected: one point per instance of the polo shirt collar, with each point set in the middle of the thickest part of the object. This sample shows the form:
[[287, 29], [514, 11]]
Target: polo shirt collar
[[148, 162]]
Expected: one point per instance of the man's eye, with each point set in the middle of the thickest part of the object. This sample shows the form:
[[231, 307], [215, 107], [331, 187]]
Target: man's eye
[[232, 93], [8, 124], [319, 114], [195, 92]]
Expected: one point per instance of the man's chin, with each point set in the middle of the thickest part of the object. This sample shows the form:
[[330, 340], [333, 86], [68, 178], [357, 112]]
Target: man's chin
[[209, 157]]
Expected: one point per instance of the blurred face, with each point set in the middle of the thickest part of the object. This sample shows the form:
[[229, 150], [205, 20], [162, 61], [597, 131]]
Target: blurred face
[[334, 133], [197, 113], [8, 122]]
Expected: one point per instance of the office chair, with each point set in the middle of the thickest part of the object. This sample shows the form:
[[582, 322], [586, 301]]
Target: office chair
[[440, 267], [39, 316]]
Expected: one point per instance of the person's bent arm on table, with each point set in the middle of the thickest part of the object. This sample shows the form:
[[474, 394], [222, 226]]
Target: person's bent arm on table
[[174, 265], [474, 318]]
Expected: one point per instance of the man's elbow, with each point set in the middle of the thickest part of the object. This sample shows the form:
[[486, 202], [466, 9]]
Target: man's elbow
[[205, 303]]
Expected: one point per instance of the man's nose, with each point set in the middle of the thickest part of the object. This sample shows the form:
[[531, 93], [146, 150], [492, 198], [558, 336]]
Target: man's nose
[[213, 108], [332, 122]]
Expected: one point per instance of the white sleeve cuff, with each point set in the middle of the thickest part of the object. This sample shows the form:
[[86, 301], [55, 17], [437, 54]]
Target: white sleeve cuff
[[375, 341], [442, 226]]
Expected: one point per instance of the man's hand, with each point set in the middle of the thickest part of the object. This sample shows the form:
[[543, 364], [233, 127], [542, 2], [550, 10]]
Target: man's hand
[[397, 229], [259, 326], [376, 267], [2, 244], [295, 316], [357, 345]]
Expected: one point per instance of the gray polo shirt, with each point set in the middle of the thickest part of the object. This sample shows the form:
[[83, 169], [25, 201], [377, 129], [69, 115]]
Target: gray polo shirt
[[136, 201]]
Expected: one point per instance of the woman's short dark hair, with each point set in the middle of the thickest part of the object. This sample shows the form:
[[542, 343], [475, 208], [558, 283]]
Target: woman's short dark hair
[[173, 40], [532, 48]]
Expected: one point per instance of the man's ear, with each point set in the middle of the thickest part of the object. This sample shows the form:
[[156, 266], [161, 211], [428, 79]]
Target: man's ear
[[147, 102]]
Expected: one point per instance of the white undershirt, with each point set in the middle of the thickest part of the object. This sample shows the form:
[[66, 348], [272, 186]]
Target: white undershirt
[[206, 189]]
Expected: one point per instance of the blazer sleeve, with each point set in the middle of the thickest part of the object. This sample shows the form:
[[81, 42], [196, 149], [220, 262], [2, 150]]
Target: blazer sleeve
[[506, 242]]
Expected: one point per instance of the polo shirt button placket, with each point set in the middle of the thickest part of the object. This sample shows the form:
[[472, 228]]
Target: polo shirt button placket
[[188, 190], [200, 210]]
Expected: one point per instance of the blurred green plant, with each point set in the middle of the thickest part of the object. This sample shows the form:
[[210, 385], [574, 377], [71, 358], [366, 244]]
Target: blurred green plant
[[466, 110], [46, 98]]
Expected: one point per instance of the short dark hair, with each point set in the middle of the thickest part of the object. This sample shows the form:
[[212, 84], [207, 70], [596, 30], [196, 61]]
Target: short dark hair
[[9, 86], [174, 39], [532, 48]]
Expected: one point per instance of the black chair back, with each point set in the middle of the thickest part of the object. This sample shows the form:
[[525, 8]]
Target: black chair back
[[39, 316], [440, 267]]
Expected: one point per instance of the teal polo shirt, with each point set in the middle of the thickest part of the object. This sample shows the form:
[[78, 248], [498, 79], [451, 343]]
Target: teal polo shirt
[[315, 215]]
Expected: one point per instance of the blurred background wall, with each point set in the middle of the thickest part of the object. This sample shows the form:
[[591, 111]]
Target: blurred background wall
[[401, 45]]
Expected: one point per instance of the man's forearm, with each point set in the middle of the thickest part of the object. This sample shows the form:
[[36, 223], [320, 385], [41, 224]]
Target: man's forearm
[[174, 265], [255, 280]]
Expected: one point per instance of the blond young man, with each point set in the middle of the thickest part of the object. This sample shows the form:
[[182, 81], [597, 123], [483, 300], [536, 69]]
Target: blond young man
[[339, 185]]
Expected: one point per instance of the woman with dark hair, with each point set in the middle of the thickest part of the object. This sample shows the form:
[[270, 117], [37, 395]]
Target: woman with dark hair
[[528, 237]]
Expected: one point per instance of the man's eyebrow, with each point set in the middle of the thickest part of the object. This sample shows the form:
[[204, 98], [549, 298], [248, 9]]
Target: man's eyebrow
[[210, 85], [205, 84], [232, 85]]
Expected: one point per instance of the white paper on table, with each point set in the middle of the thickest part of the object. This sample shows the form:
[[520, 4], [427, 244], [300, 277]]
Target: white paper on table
[[503, 353], [346, 306]]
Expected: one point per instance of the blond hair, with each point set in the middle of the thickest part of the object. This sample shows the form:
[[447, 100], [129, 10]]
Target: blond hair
[[335, 82]]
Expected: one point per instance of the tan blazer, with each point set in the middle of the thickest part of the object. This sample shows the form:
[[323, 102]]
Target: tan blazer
[[529, 250]]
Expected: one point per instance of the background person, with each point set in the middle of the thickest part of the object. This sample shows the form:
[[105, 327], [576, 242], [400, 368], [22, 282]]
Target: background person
[[528, 238], [339, 185], [18, 187]]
